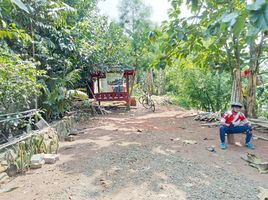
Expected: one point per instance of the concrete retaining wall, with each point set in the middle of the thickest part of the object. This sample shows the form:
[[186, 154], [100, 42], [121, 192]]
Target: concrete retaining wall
[[64, 126], [51, 137]]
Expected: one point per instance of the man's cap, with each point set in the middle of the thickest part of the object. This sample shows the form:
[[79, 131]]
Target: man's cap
[[236, 104]]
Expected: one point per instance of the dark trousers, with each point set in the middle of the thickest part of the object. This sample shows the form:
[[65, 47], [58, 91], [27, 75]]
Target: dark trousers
[[235, 130]]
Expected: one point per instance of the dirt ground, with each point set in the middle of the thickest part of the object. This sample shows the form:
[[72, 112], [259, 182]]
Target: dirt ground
[[142, 155]]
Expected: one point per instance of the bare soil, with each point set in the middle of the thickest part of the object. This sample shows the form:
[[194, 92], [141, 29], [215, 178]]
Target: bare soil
[[142, 155]]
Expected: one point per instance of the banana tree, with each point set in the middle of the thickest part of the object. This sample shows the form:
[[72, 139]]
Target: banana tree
[[232, 26]]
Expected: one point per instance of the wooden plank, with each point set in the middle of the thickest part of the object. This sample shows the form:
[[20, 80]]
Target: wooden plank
[[258, 120], [260, 137]]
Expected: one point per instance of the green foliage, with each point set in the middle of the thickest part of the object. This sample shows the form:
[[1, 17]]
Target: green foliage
[[21, 155], [18, 82], [78, 95], [37, 145], [11, 31], [67, 44], [19, 90], [215, 38], [55, 95], [68, 39], [20, 5], [262, 99], [258, 14], [210, 93]]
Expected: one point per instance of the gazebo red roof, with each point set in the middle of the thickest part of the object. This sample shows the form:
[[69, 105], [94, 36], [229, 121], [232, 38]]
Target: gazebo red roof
[[99, 74]]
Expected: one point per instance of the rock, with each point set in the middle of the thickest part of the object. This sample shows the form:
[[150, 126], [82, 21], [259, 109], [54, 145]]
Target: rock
[[211, 148], [238, 144], [256, 162], [3, 168], [51, 140], [37, 161], [12, 170], [51, 158], [37, 165], [175, 139], [74, 131], [190, 142], [57, 157], [70, 138], [263, 194], [104, 183], [64, 126], [4, 163], [10, 155], [3, 177], [37, 158]]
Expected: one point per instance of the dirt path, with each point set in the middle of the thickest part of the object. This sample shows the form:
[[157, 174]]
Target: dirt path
[[141, 155]]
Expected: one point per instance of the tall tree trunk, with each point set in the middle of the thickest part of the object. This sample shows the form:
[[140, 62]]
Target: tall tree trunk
[[251, 110], [218, 99], [149, 82], [237, 85], [161, 82], [133, 81], [236, 95], [255, 53]]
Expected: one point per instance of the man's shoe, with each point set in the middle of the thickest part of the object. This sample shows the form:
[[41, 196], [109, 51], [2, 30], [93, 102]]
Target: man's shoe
[[222, 145], [249, 145]]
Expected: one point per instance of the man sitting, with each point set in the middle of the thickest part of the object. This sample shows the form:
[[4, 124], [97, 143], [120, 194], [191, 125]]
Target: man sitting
[[233, 122]]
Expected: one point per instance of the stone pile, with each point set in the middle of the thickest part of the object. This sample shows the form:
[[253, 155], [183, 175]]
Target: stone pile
[[38, 160]]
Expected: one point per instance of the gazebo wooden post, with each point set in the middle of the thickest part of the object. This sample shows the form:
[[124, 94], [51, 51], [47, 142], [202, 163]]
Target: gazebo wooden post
[[127, 86], [98, 80], [127, 83]]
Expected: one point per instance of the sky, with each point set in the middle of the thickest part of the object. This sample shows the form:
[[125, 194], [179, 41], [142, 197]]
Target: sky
[[159, 9]]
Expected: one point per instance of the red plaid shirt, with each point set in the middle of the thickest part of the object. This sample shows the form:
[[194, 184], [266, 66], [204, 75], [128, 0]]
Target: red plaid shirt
[[233, 117]]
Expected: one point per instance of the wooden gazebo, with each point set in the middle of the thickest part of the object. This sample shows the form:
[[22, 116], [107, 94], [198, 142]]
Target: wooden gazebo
[[111, 85]]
